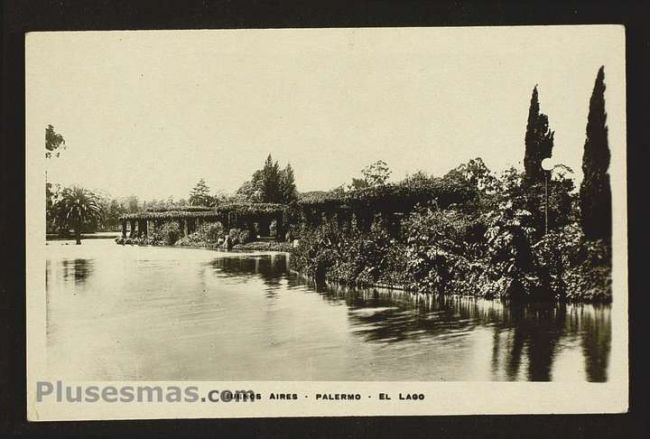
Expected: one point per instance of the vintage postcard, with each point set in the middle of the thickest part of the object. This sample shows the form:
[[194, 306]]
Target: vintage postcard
[[326, 222]]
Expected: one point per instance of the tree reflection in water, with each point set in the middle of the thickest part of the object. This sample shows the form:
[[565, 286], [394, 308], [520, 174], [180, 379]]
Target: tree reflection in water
[[365, 334], [78, 269], [523, 334], [271, 268], [536, 328], [596, 336], [526, 338]]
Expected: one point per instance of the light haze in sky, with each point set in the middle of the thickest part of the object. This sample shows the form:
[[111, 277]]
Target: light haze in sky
[[150, 112]]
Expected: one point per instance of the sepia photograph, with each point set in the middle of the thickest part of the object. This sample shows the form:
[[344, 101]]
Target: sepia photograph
[[310, 217]]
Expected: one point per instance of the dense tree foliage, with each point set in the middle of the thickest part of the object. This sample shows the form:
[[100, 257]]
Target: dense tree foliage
[[112, 209], [54, 142], [200, 195], [418, 178], [288, 191], [270, 184], [595, 190], [374, 175]]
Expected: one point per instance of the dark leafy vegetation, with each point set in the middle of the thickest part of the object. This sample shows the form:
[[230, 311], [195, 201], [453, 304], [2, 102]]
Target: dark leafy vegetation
[[270, 184], [490, 248], [539, 141]]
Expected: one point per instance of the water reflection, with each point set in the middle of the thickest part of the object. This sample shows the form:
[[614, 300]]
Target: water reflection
[[156, 313], [527, 334], [596, 337], [271, 269], [76, 270]]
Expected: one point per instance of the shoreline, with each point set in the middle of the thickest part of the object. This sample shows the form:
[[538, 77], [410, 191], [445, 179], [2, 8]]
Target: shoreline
[[99, 235], [262, 246], [403, 290], [283, 247]]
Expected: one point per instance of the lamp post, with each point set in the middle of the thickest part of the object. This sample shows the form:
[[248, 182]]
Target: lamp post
[[547, 166]]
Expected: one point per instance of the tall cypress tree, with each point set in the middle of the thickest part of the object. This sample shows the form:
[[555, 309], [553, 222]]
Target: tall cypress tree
[[539, 141], [595, 190]]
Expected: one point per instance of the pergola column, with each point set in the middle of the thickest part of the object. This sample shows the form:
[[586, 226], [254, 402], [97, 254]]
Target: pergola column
[[182, 224], [365, 220], [313, 217], [395, 224], [234, 222], [280, 228], [142, 228], [252, 229], [124, 229], [323, 218], [379, 219], [354, 221], [191, 225], [264, 226], [151, 227], [346, 219], [132, 231]]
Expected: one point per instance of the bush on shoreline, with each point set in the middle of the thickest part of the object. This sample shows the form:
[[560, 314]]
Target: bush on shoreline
[[443, 252], [493, 246]]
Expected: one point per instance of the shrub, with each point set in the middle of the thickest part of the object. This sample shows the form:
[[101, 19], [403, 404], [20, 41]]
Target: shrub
[[442, 246], [349, 256], [239, 236], [189, 240], [511, 269], [245, 236], [168, 234], [233, 235], [452, 251], [212, 232], [578, 269]]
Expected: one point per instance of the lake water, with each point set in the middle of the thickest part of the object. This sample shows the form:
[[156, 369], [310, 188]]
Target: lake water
[[153, 313]]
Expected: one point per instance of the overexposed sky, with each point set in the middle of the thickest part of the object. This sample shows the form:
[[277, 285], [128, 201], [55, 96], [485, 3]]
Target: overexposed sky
[[150, 112]]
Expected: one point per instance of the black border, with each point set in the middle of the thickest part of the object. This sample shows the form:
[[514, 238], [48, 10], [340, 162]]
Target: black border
[[20, 16]]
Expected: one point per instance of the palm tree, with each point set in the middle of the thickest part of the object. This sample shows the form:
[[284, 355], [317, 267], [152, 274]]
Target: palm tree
[[75, 208]]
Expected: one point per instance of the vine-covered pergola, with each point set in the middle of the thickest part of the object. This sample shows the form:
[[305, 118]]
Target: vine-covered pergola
[[255, 217], [387, 204]]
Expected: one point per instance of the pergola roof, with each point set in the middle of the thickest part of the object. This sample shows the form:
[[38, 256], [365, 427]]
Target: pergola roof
[[391, 196], [242, 209]]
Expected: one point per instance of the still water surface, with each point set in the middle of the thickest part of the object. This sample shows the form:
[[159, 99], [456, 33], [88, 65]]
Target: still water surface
[[153, 313]]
